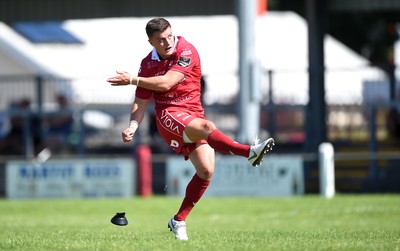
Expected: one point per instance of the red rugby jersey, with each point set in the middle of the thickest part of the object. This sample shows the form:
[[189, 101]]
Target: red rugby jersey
[[185, 96]]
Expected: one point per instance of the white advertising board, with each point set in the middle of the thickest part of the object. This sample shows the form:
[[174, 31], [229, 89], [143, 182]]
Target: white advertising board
[[280, 175], [65, 178]]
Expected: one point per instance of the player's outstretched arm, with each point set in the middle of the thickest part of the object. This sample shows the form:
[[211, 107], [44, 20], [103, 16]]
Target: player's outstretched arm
[[121, 78], [157, 83]]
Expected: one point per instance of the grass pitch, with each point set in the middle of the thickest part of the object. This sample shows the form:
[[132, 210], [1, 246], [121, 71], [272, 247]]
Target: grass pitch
[[346, 222]]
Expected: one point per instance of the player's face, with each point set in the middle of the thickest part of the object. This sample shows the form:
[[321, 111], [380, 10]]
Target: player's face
[[163, 42]]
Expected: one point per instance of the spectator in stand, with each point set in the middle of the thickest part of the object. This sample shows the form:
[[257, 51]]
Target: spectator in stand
[[60, 125], [393, 120], [22, 116]]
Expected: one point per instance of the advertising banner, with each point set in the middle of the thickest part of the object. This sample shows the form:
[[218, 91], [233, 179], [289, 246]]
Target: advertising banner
[[280, 175], [64, 178]]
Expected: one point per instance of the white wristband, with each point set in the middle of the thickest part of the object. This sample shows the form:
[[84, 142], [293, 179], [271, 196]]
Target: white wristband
[[130, 79], [137, 81], [133, 124]]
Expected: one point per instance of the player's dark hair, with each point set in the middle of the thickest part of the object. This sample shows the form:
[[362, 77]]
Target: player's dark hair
[[157, 24]]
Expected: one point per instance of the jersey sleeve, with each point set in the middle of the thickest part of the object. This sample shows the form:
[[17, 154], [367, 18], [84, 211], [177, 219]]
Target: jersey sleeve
[[142, 93]]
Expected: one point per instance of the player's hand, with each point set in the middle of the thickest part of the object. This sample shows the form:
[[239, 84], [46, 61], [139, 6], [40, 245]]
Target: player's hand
[[122, 78], [127, 134]]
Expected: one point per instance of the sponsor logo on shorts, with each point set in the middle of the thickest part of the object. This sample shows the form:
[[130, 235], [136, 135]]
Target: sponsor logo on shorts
[[169, 123]]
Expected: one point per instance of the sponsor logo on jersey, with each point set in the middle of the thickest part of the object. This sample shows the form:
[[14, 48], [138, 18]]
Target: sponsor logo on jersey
[[171, 95], [183, 61], [186, 53]]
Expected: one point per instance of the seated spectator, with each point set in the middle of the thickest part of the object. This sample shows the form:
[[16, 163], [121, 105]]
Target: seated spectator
[[393, 120], [4, 125], [59, 125], [393, 123], [14, 142]]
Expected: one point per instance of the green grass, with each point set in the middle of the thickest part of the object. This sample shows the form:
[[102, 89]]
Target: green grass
[[346, 222]]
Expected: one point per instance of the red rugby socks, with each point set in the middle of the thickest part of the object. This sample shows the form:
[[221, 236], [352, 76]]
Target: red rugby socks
[[222, 143], [194, 190]]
